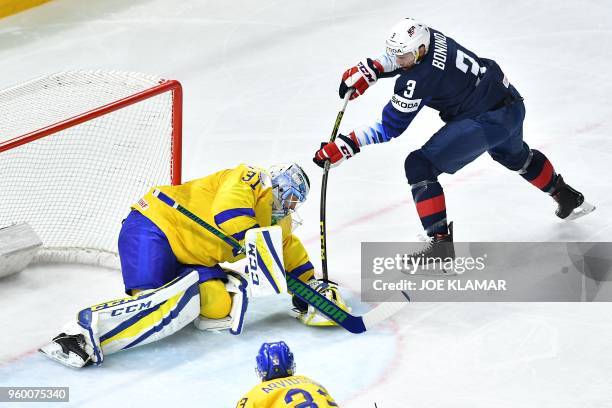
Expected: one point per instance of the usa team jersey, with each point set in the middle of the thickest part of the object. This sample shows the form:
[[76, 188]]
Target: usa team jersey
[[288, 392], [450, 79], [234, 201]]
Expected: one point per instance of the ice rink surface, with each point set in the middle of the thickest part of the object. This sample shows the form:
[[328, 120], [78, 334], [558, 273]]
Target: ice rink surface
[[260, 81]]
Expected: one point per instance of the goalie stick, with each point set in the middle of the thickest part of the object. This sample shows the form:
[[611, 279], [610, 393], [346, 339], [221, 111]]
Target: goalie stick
[[352, 323]]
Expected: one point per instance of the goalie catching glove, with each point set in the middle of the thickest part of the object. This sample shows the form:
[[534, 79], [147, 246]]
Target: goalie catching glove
[[307, 314]]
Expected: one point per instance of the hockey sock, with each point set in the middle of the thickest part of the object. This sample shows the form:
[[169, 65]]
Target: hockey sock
[[431, 206], [539, 171], [427, 193]]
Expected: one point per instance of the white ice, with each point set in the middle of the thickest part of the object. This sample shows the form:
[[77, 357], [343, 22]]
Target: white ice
[[260, 82]]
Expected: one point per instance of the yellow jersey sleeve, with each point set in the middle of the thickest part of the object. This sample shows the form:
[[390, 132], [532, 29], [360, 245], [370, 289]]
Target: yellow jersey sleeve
[[233, 207]]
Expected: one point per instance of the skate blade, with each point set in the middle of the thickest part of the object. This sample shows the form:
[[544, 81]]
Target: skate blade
[[581, 211], [54, 352]]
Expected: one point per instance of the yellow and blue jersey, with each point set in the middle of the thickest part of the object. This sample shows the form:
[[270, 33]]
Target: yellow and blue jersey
[[287, 392], [234, 201]]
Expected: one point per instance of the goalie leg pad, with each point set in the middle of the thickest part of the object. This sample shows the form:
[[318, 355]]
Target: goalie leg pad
[[151, 315]]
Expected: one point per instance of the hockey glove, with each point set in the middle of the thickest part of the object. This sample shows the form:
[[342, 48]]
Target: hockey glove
[[343, 148], [360, 78], [307, 314]]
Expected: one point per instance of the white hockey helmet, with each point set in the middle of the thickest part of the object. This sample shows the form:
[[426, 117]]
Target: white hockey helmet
[[290, 187], [407, 36]]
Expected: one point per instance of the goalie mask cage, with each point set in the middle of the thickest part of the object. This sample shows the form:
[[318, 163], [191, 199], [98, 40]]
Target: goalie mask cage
[[77, 149]]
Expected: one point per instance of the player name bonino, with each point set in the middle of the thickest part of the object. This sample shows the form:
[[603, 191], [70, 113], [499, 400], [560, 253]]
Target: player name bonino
[[440, 51], [443, 285]]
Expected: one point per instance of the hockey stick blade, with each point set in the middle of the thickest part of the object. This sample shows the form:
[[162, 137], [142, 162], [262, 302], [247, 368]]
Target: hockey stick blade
[[385, 310], [352, 323]]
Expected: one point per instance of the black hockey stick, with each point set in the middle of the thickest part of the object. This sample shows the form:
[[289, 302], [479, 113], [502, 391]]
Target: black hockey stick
[[352, 323], [326, 166]]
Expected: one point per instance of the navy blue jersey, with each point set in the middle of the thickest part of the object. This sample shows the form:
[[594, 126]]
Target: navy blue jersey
[[450, 79]]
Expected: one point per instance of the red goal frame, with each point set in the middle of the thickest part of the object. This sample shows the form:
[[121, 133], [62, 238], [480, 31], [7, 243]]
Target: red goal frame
[[165, 85]]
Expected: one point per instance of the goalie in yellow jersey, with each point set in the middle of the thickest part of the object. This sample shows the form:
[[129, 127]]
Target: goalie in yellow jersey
[[280, 388], [171, 265]]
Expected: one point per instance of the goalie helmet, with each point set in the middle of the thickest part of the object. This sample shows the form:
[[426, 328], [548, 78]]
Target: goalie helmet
[[274, 360], [290, 187], [406, 37]]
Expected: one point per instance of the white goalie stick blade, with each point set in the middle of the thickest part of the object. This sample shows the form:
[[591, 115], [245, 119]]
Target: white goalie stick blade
[[581, 211], [385, 310]]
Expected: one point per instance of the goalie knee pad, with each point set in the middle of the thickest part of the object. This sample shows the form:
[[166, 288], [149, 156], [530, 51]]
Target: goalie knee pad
[[215, 301], [236, 287]]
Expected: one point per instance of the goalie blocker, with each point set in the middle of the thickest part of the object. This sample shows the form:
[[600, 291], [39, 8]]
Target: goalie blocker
[[265, 275], [125, 323]]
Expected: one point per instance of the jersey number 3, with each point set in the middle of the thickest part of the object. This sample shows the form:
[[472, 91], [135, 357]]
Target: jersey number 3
[[462, 63], [308, 400]]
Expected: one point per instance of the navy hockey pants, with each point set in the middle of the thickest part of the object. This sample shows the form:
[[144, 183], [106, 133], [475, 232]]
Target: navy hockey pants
[[498, 132]]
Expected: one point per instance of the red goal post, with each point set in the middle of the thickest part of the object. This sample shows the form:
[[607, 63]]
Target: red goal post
[[78, 148]]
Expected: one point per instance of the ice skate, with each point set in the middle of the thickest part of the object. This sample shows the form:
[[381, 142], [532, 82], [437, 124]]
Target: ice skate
[[69, 350], [571, 204], [438, 250]]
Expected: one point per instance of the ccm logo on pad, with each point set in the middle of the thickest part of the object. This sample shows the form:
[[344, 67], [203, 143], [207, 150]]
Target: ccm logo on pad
[[405, 105]]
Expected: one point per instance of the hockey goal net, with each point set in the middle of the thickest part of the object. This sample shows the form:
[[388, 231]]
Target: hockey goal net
[[77, 149]]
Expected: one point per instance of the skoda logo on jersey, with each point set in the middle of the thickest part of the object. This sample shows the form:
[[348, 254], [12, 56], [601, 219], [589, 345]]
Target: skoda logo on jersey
[[405, 105]]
